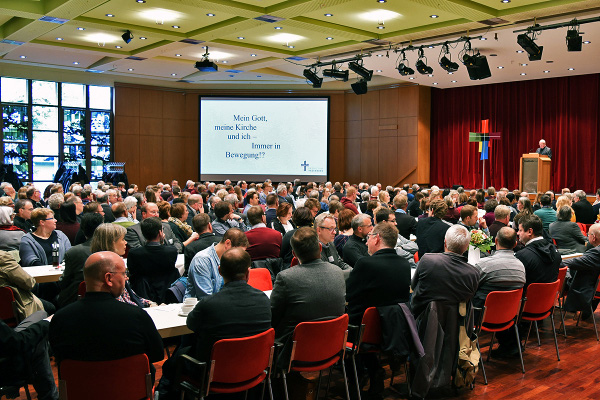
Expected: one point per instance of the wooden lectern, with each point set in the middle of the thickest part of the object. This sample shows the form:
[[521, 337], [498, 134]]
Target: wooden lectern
[[535, 173]]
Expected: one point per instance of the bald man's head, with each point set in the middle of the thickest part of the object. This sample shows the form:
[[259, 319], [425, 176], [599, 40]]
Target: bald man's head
[[105, 271]]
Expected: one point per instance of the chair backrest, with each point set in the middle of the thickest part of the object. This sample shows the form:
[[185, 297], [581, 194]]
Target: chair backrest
[[294, 261], [562, 274], [241, 359], [8, 312], [371, 332], [583, 228], [416, 257], [81, 289], [260, 278], [541, 297], [502, 306], [124, 379], [319, 340]]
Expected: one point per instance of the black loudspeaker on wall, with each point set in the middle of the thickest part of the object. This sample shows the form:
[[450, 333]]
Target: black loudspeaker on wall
[[480, 69]]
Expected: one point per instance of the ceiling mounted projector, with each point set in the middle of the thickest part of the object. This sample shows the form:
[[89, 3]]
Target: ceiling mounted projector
[[206, 66]]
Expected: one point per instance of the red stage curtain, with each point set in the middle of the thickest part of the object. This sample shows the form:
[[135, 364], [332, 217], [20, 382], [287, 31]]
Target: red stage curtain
[[563, 111]]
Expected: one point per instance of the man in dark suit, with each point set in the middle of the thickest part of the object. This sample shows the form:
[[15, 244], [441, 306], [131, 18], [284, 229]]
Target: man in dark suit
[[325, 226], [595, 206], [544, 150], [194, 206], [135, 238], [432, 230], [100, 328], [23, 209], [379, 280], [206, 237], [264, 242], [312, 290], [355, 247], [152, 267], [584, 212], [272, 204], [106, 207], [501, 219], [405, 223]]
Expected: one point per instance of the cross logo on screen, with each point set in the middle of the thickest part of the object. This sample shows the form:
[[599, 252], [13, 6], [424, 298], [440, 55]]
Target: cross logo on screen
[[304, 165]]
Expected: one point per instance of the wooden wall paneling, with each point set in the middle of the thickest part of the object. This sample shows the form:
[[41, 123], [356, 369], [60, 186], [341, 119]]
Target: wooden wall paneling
[[408, 126], [388, 160], [127, 150], [353, 107], [408, 101], [150, 160], [151, 103], [369, 164], [172, 165], [370, 104], [127, 101], [126, 125], [337, 156], [337, 129], [370, 128], [353, 160], [424, 135], [353, 129], [192, 110], [190, 157], [191, 129], [388, 103], [173, 127], [337, 107], [151, 126], [407, 159], [388, 127], [173, 105]]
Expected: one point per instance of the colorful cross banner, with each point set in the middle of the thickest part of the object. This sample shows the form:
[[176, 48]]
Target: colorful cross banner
[[484, 138]]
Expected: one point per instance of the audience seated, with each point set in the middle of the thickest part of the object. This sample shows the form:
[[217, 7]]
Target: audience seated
[[119, 210], [405, 223], [135, 238], [264, 242], [567, 234], [431, 230], [206, 237], [36, 247], [22, 220], [355, 248], [10, 235], [584, 212], [68, 223], [546, 213], [325, 226], [501, 219], [301, 217]]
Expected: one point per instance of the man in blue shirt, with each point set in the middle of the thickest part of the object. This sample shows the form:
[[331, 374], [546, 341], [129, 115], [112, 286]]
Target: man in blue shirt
[[203, 276]]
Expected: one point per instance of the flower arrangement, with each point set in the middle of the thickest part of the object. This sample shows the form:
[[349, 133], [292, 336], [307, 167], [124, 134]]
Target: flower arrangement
[[480, 240]]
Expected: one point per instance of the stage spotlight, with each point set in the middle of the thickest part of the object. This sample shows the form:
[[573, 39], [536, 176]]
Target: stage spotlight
[[574, 40], [423, 68], [405, 70], [313, 78], [127, 36], [359, 87], [534, 52], [447, 65], [366, 74], [336, 73], [477, 66]]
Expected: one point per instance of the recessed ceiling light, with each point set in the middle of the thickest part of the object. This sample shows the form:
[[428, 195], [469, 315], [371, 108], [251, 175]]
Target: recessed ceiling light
[[278, 27], [329, 15], [504, 1], [412, 77], [493, 55], [380, 27], [142, 38], [140, 1], [450, 73], [118, 47], [129, 69], [80, 29], [379, 70], [291, 47], [259, 76], [204, 47], [173, 74], [434, 16], [22, 56], [587, 42], [571, 69], [175, 26], [519, 51], [500, 67], [482, 38], [241, 37], [224, 61], [252, 55], [546, 71], [524, 65], [430, 75], [523, 73], [430, 47], [453, 81], [435, 83], [210, 15], [382, 1], [549, 62], [177, 55], [59, 38], [110, 15], [329, 38], [75, 62]]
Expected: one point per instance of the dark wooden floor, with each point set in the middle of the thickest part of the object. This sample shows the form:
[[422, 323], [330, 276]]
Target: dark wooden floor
[[575, 376]]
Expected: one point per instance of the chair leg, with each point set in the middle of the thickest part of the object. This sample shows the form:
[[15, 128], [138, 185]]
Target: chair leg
[[285, 389], [27, 392], [562, 316], [537, 333], [329, 381], [519, 344], [356, 376], [491, 345], [246, 394], [270, 388], [578, 318], [319, 384], [555, 340], [407, 373], [345, 381], [481, 363], [594, 320], [528, 332]]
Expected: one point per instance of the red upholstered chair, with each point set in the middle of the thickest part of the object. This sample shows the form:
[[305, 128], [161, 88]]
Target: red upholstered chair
[[539, 305], [260, 278], [8, 307], [416, 257], [595, 296], [124, 379], [583, 228], [562, 274], [500, 312], [369, 334], [236, 365], [317, 346], [81, 290], [294, 262]]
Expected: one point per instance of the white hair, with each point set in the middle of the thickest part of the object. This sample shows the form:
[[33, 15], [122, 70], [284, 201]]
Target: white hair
[[130, 202], [457, 239], [580, 193], [5, 213]]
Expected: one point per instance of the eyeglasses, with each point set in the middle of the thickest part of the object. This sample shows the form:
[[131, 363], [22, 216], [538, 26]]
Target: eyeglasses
[[49, 219], [328, 229], [125, 273], [371, 235]]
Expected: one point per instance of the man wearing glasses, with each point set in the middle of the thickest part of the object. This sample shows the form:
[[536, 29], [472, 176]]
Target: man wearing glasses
[[325, 224], [355, 247]]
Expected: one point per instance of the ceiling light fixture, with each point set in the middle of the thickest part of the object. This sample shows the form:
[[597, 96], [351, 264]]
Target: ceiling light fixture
[[75, 63], [379, 70], [587, 42], [329, 38], [118, 47], [177, 55], [59, 38], [110, 15], [546, 71], [571, 69], [278, 28], [329, 15], [523, 74], [526, 41], [205, 65], [80, 29], [22, 56], [175, 26], [357, 68], [403, 68], [360, 87], [241, 37], [210, 15], [129, 69], [505, 1], [127, 36], [140, 1], [477, 65], [574, 39], [173, 74], [421, 65], [335, 73], [434, 16], [445, 59], [252, 55], [143, 38], [312, 76]]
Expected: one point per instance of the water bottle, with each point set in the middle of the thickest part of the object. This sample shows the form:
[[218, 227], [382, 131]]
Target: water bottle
[[55, 254]]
